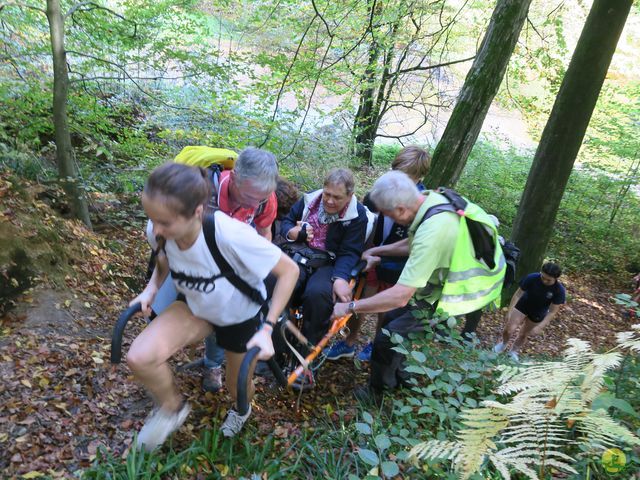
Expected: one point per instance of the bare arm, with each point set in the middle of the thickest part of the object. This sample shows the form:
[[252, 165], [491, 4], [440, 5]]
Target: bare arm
[[553, 311], [515, 298], [397, 249], [286, 272], [158, 277], [394, 297]]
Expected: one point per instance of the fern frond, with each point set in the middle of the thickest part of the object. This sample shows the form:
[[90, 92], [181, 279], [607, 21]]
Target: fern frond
[[631, 339], [600, 429], [435, 449], [503, 468], [502, 462], [547, 377], [594, 374], [577, 347], [561, 465]]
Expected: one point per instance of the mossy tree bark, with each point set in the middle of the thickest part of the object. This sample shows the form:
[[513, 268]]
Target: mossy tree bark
[[67, 170], [477, 93], [563, 134], [372, 95]]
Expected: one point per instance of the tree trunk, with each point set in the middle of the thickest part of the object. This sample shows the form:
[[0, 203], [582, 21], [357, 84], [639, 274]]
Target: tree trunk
[[565, 129], [64, 152], [364, 132], [477, 93]]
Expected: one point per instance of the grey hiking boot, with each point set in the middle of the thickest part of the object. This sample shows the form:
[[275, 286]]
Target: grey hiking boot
[[233, 422], [212, 379], [159, 425]]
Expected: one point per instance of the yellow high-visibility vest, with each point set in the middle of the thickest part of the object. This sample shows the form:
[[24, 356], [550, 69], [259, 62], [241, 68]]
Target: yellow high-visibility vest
[[471, 284]]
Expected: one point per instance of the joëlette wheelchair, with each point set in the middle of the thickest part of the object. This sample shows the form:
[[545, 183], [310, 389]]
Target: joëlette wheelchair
[[292, 363]]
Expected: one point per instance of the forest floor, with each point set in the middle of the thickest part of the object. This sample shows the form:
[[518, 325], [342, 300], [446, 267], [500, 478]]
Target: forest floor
[[61, 399]]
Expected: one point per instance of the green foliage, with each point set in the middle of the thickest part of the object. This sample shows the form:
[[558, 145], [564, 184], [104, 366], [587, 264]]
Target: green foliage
[[553, 417], [612, 140], [447, 375], [212, 456], [586, 237], [383, 155]]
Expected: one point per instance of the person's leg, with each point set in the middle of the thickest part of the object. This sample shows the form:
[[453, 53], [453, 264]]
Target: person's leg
[[386, 363], [213, 353], [471, 322], [166, 295], [234, 360], [212, 363], [514, 318], [171, 331], [317, 304], [175, 328], [526, 328], [233, 339], [355, 323]]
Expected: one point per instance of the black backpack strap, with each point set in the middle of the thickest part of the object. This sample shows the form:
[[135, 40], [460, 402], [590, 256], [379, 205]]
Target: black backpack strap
[[456, 204], [454, 198], [483, 244], [431, 211], [209, 228]]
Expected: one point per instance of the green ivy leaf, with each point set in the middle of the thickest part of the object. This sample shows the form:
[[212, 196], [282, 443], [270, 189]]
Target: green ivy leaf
[[382, 442], [366, 416], [390, 469], [415, 369], [433, 373], [363, 428], [369, 457], [419, 357]]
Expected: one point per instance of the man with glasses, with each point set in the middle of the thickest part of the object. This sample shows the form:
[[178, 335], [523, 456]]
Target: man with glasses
[[247, 193]]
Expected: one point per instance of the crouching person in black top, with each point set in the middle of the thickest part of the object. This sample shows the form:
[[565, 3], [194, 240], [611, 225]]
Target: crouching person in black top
[[532, 307]]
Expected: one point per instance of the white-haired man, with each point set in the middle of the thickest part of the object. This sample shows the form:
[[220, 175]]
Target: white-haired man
[[429, 247]]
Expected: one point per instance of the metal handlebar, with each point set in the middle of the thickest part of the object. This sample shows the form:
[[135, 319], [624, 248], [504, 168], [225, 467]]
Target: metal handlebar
[[118, 330]]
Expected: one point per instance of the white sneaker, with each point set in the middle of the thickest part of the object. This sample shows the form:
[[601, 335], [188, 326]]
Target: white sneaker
[[514, 356], [233, 422], [498, 347], [160, 425]]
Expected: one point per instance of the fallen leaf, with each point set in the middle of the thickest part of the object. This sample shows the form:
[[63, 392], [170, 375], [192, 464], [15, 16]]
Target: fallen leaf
[[33, 474]]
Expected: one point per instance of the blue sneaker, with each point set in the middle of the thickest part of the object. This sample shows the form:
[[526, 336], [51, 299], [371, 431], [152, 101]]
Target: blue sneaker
[[338, 350], [365, 353]]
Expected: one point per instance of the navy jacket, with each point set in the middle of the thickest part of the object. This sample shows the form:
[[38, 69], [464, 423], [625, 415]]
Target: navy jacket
[[345, 237]]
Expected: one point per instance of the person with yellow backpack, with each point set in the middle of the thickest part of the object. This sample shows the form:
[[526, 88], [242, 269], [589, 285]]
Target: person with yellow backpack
[[243, 187]]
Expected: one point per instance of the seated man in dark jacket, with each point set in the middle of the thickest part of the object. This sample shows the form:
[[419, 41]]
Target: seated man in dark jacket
[[330, 220]]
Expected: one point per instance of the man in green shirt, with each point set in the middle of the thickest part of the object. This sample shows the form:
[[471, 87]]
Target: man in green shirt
[[429, 247]]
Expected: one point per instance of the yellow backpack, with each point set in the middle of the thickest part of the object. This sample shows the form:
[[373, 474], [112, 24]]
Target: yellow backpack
[[201, 156]]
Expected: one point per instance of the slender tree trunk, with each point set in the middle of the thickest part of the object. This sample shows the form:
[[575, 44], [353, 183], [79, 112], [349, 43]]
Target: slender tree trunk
[[363, 129], [64, 151], [369, 120], [565, 129], [479, 89]]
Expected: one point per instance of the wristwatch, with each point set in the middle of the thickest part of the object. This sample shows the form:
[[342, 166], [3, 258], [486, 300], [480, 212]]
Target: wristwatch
[[352, 307]]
